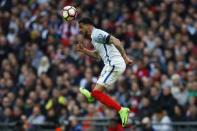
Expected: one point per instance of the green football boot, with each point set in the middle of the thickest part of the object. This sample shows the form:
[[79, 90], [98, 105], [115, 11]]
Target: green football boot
[[87, 94], [124, 113]]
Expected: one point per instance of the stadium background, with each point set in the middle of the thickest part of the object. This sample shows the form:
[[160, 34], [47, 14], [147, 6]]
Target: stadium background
[[40, 72]]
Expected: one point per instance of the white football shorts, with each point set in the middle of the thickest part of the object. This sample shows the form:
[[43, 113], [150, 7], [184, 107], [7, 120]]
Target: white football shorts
[[110, 74]]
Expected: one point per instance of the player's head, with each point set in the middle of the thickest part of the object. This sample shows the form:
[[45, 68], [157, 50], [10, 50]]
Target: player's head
[[85, 24]]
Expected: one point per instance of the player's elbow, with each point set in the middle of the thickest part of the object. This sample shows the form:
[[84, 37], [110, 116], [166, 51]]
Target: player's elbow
[[116, 41]]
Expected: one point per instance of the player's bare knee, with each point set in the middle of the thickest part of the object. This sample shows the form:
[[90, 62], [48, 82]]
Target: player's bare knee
[[99, 87]]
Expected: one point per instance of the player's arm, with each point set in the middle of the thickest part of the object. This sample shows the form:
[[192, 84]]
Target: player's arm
[[118, 45], [90, 53]]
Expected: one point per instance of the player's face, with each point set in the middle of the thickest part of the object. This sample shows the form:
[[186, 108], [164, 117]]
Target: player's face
[[83, 29]]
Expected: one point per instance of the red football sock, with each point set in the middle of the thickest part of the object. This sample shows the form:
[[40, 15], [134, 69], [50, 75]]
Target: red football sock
[[105, 99]]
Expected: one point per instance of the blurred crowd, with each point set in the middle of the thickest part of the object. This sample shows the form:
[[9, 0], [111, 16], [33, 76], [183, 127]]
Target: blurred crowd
[[40, 71]]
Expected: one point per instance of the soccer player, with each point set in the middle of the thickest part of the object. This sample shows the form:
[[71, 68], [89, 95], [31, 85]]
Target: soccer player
[[110, 50]]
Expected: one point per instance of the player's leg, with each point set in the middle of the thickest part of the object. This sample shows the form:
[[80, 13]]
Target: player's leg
[[99, 95], [87, 93], [108, 76], [105, 81]]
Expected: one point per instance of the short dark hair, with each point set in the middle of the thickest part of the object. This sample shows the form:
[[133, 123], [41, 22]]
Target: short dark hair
[[86, 20]]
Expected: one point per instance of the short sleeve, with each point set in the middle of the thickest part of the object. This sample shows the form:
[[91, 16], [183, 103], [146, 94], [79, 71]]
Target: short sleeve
[[101, 36]]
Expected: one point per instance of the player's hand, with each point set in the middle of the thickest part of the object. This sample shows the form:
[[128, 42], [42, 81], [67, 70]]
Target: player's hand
[[128, 61], [79, 48]]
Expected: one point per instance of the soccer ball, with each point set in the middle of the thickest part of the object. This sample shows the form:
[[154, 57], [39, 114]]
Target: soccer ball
[[69, 13]]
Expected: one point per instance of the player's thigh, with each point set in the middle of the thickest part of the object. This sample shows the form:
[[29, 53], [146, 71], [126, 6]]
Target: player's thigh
[[100, 85], [109, 76], [112, 78]]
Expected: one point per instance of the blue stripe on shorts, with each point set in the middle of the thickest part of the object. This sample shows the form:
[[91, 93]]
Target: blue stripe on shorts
[[109, 74]]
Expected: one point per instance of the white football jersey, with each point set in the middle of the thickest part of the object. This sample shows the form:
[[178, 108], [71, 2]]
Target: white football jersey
[[108, 52]]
